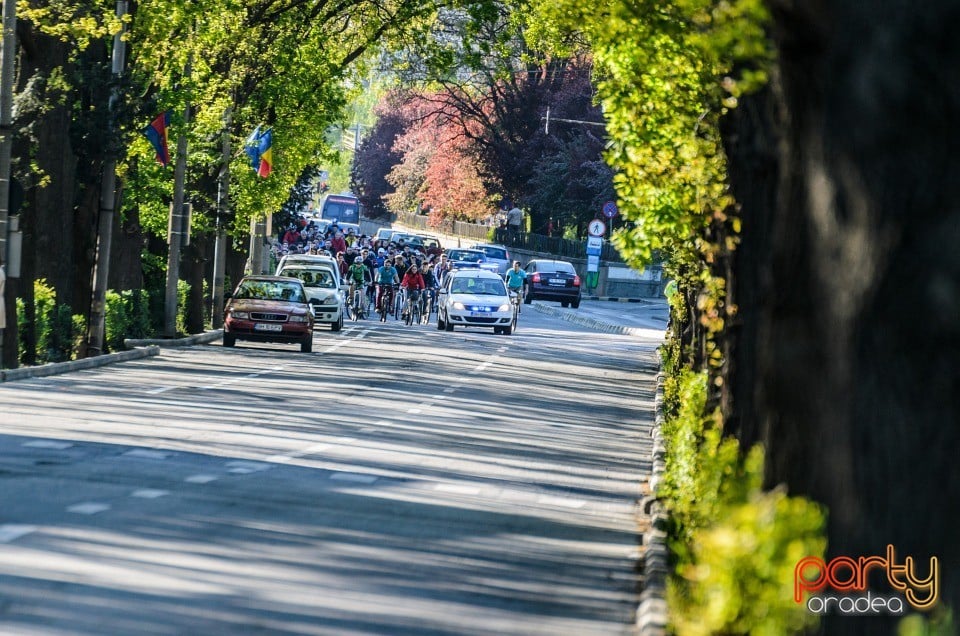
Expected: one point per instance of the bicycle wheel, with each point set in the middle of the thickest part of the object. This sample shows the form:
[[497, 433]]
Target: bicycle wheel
[[415, 312]]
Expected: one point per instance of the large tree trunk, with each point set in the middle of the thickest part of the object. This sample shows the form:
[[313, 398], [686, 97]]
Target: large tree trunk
[[858, 331]]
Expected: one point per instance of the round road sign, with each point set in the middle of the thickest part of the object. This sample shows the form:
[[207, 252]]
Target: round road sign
[[610, 209], [597, 228]]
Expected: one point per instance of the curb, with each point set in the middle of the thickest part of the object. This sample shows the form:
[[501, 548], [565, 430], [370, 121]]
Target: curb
[[652, 613], [199, 338], [8, 375], [618, 299], [600, 325]]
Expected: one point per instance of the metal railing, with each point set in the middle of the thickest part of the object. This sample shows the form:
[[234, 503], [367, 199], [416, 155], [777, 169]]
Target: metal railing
[[565, 248]]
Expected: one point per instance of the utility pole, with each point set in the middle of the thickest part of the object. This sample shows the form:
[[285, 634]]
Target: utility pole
[[7, 58], [108, 193], [220, 247], [176, 229]]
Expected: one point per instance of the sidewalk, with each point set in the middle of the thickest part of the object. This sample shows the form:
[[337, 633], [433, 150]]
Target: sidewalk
[[647, 318]]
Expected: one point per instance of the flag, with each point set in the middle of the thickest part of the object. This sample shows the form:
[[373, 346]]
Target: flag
[[266, 154], [252, 148], [156, 133]]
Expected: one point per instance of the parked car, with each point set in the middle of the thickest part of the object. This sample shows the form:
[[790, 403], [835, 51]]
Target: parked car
[[474, 298], [496, 254], [552, 280], [463, 258], [268, 309]]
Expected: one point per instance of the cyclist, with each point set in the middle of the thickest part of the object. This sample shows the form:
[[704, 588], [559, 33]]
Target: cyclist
[[358, 275], [515, 277], [431, 283], [413, 283], [386, 276]]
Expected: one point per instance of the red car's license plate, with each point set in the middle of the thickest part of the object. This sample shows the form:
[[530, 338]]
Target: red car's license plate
[[264, 326]]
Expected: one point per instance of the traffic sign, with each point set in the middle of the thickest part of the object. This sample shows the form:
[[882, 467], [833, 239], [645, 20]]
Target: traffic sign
[[594, 243], [597, 228], [610, 209]]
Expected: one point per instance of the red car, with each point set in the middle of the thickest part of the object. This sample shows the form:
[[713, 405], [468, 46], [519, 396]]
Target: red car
[[269, 309]]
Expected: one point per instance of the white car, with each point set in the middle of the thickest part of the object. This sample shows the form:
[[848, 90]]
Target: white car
[[321, 282], [474, 298]]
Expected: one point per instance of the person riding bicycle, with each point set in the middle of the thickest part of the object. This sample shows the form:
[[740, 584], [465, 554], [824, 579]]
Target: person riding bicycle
[[413, 283], [431, 283], [358, 275], [515, 278], [386, 276]]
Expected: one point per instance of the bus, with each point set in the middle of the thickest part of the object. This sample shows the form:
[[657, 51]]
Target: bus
[[344, 208]]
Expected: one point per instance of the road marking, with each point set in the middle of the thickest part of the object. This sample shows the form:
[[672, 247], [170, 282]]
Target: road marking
[[146, 454], [457, 489], [354, 477], [149, 493], [279, 459], [501, 349], [449, 390], [413, 411], [561, 501], [12, 531], [239, 379], [48, 444], [160, 390], [200, 479], [89, 508], [245, 468]]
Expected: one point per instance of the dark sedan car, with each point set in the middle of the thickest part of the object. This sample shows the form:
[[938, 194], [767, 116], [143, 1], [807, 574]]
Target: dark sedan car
[[269, 309], [552, 280]]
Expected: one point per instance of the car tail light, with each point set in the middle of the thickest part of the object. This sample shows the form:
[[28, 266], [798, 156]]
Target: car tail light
[[576, 281], [536, 277]]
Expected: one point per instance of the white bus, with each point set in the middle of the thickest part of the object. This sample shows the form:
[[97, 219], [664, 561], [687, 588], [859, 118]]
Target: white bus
[[344, 208]]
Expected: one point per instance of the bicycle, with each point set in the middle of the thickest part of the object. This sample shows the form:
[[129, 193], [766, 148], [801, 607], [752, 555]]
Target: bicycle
[[398, 304], [358, 305], [516, 297], [426, 305], [386, 302], [411, 307]]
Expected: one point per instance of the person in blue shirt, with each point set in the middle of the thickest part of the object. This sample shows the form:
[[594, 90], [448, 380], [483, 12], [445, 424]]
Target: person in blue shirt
[[515, 277]]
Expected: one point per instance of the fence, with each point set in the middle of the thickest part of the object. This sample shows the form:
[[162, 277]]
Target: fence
[[565, 248]]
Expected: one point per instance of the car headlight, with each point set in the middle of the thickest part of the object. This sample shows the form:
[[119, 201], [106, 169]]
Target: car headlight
[[458, 306], [240, 315], [297, 319], [504, 307]]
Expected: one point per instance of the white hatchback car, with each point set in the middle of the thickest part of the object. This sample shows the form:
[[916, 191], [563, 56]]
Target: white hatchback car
[[474, 298], [322, 285]]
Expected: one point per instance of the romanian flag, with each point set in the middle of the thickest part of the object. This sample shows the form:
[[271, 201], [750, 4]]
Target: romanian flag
[[266, 154], [156, 133]]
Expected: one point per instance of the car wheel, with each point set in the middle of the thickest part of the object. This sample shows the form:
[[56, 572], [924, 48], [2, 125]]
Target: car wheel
[[229, 339], [337, 326], [306, 345], [528, 298], [447, 325], [440, 323], [575, 304], [496, 331], [506, 330], [564, 303]]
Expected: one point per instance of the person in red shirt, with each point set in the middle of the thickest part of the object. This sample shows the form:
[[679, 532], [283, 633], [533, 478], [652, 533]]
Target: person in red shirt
[[414, 284], [337, 243]]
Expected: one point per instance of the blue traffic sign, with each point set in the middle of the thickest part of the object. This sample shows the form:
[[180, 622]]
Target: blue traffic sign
[[610, 209]]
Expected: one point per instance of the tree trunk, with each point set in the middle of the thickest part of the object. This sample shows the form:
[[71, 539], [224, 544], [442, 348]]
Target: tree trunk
[[858, 330]]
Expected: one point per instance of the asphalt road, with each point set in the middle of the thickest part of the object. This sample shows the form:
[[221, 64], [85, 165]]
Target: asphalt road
[[398, 480]]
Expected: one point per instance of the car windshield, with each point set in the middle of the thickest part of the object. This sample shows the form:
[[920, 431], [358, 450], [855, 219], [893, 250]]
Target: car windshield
[[322, 278], [478, 287], [494, 252], [270, 290], [465, 255]]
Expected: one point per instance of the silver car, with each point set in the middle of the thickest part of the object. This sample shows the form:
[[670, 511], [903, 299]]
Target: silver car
[[496, 254]]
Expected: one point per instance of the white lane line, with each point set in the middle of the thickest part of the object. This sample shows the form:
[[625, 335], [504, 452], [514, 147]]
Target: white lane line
[[501, 349], [413, 411], [89, 508], [146, 454], [12, 531], [354, 477], [245, 468], [249, 376], [561, 501], [42, 443], [200, 479], [160, 390], [310, 450], [149, 493], [457, 489], [383, 423], [449, 390]]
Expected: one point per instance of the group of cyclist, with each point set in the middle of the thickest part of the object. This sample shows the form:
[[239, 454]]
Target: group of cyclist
[[378, 274]]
